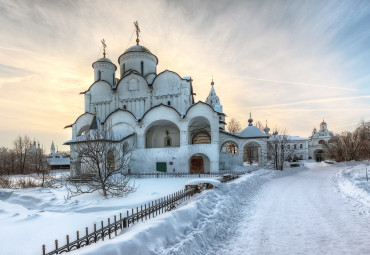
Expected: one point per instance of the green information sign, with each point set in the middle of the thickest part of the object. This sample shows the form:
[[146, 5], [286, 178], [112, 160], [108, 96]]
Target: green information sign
[[161, 166]]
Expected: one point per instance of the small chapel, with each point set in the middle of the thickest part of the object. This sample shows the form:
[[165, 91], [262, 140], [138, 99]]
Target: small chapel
[[157, 115]]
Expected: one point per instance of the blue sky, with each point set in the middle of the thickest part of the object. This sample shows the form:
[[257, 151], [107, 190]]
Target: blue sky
[[291, 63]]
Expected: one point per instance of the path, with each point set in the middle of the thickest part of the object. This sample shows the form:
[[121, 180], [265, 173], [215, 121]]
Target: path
[[301, 213]]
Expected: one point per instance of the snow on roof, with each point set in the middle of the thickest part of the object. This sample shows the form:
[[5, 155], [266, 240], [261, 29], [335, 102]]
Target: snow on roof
[[187, 78], [252, 131], [114, 138], [59, 161], [215, 183], [296, 138]]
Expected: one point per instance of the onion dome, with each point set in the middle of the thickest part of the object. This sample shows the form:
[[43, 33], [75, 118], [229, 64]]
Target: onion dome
[[250, 120], [266, 129], [137, 48]]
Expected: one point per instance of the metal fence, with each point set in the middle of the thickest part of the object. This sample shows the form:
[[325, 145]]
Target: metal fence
[[184, 175], [144, 212]]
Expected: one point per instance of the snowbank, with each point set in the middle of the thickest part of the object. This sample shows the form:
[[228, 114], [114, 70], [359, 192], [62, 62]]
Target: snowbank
[[351, 181], [36, 216], [215, 183], [193, 228]]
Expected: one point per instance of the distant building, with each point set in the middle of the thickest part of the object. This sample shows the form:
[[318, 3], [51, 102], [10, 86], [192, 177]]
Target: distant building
[[316, 141], [57, 160]]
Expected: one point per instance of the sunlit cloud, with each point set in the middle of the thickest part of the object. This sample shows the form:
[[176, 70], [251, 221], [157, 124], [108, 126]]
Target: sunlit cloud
[[291, 63]]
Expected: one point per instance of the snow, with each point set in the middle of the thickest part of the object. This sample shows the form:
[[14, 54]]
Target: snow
[[251, 131], [315, 209], [215, 183], [295, 211], [38, 216]]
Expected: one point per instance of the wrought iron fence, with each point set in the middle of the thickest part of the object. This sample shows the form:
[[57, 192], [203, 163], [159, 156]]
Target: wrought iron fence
[[144, 212]]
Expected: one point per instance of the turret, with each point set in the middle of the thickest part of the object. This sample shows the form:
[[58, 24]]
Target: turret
[[214, 101], [138, 58], [104, 69]]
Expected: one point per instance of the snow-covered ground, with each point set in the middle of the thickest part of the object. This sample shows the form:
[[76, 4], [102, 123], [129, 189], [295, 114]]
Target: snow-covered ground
[[315, 209], [297, 211], [36, 216]]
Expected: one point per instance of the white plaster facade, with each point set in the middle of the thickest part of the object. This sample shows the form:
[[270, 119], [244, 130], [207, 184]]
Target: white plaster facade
[[156, 114], [315, 150]]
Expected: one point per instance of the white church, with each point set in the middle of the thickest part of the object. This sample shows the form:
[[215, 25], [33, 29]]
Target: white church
[[156, 113]]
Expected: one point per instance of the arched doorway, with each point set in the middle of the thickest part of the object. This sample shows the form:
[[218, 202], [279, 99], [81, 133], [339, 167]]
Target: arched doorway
[[230, 147], [252, 154], [319, 155], [199, 164]]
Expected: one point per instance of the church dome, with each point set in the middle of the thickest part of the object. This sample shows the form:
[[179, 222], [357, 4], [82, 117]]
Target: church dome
[[323, 123], [137, 48]]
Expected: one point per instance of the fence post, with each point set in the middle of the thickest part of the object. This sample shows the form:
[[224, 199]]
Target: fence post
[[145, 211], [128, 221], [95, 236], [67, 237], [87, 233], [141, 213], [120, 220], [132, 215], [367, 177], [137, 214], [149, 209], [115, 226], [78, 238], [109, 227], [43, 249], [56, 244], [102, 231]]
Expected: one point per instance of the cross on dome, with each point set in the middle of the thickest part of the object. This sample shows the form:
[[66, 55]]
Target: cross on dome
[[137, 28]]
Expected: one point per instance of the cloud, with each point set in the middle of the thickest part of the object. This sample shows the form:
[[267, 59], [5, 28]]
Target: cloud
[[287, 62]]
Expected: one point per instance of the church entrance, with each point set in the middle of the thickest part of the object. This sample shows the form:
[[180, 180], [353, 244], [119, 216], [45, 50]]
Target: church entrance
[[319, 155], [199, 164]]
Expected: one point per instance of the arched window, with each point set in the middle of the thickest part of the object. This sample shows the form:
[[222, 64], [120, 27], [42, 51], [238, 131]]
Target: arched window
[[301, 146], [110, 161], [295, 146], [142, 67], [168, 141]]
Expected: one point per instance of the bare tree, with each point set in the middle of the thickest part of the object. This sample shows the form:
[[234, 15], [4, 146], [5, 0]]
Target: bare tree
[[348, 146], [234, 126], [38, 164], [250, 153], [259, 125], [102, 165], [279, 149], [21, 146]]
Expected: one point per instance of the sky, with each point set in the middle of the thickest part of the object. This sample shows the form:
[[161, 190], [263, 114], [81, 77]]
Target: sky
[[291, 63]]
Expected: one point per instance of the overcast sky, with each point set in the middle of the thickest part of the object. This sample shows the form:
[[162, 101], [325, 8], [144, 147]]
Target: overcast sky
[[291, 63]]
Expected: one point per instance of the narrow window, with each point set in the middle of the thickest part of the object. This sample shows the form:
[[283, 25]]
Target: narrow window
[[295, 146], [301, 146], [169, 103], [288, 147], [99, 75], [124, 69], [124, 107], [168, 141], [142, 67]]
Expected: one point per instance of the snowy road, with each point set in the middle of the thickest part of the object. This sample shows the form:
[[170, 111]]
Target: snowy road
[[301, 212]]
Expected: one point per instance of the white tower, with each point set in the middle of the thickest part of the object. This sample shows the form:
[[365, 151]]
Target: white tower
[[214, 101], [104, 69]]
